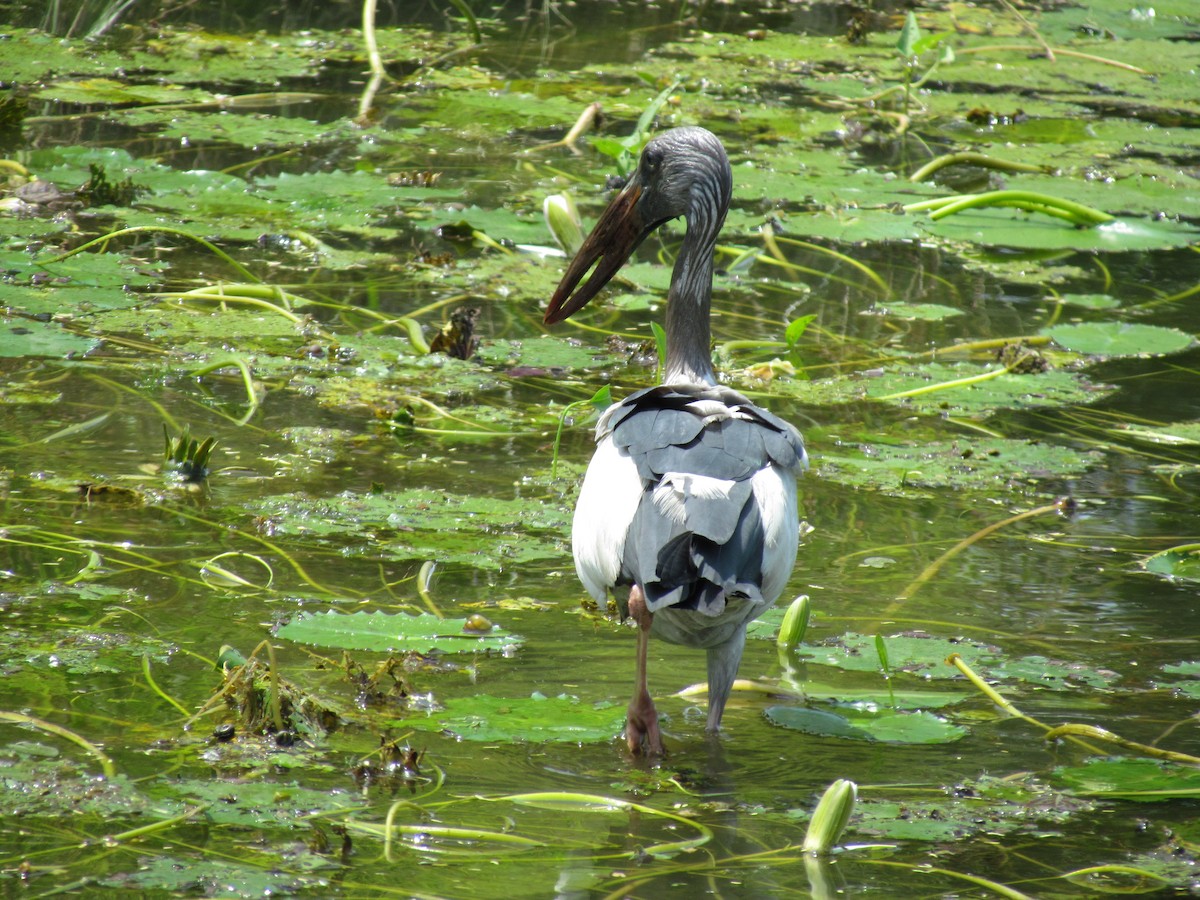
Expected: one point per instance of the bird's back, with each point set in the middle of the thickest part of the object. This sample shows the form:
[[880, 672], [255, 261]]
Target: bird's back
[[709, 482]]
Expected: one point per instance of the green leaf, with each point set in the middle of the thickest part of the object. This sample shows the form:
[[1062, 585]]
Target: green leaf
[[393, 633], [796, 328], [537, 718], [909, 35]]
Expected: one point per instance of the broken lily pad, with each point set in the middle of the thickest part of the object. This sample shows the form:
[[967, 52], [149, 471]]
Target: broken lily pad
[[536, 718], [394, 633], [959, 389], [965, 464], [1176, 562], [478, 531], [924, 655]]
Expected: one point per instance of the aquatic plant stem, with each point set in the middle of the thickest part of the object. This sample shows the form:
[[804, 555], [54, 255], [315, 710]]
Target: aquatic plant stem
[[158, 229], [472, 22], [423, 579], [956, 660], [242, 366], [994, 886], [155, 827], [772, 243], [106, 764], [957, 382], [1073, 54], [936, 566], [1032, 201], [369, 39], [1103, 734], [973, 159], [158, 690]]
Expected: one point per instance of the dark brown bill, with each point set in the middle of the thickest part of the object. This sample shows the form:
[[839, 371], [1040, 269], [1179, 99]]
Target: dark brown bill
[[618, 233]]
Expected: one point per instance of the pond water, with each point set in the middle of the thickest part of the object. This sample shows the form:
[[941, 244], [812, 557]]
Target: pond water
[[1002, 408]]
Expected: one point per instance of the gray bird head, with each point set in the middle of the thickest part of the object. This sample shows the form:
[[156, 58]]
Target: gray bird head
[[683, 172]]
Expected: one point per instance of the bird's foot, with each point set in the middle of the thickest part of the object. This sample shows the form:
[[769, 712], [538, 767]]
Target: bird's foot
[[642, 733]]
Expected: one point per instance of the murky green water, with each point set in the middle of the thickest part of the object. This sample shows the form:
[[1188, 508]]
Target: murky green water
[[114, 606]]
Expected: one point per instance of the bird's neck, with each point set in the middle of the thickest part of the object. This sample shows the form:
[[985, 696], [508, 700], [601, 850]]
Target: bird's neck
[[689, 354]]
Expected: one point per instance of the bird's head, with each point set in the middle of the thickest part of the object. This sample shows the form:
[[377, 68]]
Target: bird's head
[[682, 172]]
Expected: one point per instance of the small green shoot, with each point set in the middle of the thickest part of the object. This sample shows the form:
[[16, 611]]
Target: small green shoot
[[186, 458], [600, 401], [881, 649], [625, 151], [795, 329], [660, 347]]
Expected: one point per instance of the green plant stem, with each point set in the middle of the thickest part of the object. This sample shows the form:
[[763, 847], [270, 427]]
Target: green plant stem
[[973, 159], [1103, 734], [242, 366], [1076, 213], [1074, 54], [159, 229], [946, 385], [106, 764], [423, 578], [775, 255], [155, 827], [995, 887], [369, 39], [256, 295], [472, 22], [1116, 870], [158, 690], [936, 566], [993, 695], [117, 386]]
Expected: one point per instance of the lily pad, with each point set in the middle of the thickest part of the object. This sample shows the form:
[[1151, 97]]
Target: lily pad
[[1120, 339], [929, 312], [1130, 779], [888, 726], [395, 633], [989, 805], [1176, 562], [536, 718], [21, 337]]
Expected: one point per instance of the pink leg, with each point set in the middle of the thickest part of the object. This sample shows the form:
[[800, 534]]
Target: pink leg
[[641, 724]]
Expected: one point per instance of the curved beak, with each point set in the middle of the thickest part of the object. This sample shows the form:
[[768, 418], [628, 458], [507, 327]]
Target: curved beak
[[618, 233]]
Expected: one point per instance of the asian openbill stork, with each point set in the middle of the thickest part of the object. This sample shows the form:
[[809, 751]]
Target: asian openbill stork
[[690, 498]]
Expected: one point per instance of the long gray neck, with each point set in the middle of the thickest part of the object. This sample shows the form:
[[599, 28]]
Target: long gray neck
[[689, 355]]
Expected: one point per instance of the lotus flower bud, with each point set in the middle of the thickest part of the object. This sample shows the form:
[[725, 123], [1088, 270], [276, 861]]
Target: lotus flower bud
[[562, 218], [830, 817], [795, 623]]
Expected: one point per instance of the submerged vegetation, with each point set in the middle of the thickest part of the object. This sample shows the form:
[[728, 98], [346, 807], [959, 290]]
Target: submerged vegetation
[[288, 459]]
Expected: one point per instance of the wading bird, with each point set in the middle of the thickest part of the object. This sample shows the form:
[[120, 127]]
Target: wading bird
[[690, 498]]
